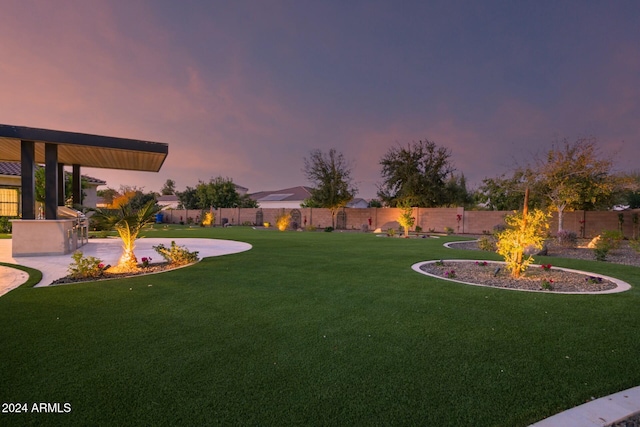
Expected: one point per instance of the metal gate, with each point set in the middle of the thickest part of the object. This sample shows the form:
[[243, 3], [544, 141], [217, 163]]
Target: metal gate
[[295, 219], [341, 220]]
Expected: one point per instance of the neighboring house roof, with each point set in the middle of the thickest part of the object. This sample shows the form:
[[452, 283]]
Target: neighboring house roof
[[13, 169], [286, 195], [240, 189], [358, 203], [10, 168], [170, 198]]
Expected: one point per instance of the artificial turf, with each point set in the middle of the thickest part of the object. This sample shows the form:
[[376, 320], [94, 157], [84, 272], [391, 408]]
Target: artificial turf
[[313, 329]]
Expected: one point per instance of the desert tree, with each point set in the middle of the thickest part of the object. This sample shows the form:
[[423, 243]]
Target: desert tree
[[330, 175], [574, 175], [418, 172]]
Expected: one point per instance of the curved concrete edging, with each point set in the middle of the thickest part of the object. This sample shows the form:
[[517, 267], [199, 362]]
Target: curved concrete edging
[[621, 286], [448, 244], [108, 251]]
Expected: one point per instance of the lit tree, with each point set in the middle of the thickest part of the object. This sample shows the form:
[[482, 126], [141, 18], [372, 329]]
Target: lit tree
[[523, 230], [418, 171], [128, 222], [406, 218], [330, 174]]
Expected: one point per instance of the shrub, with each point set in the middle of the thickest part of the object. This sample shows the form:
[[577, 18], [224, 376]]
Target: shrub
[[418, 229], [498, 228], [328, 229], [635, 245], [601, 250], [567, 239], [487, 244], [282, 221], [612, 237], [207, 219], [391, 232], [448, 230], [310, 228], [546, 284], [5, 224], [176, 255], [522, 232], [85, 267]]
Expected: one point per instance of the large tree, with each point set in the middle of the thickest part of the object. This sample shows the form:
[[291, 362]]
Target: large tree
[[221, 193], [168, 188], [417, 172], [573, 175], [188, 198], [457, 192], [330, 174], [505, 193]]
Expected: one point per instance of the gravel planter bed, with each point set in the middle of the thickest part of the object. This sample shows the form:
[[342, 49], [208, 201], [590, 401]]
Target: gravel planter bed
[[152, 268], [484, 273]]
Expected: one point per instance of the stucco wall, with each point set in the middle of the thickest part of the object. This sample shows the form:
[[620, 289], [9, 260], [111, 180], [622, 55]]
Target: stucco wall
[[584, 223]]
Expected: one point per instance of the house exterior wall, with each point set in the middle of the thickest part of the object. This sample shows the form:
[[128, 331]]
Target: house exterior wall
[[90, 192], [10, 181]]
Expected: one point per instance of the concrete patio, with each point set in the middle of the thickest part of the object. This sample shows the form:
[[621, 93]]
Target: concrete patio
[[108, 250]]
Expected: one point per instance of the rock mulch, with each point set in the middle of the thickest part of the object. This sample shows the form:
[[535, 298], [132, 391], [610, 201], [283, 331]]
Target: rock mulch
[[152, 268], [533, 279]]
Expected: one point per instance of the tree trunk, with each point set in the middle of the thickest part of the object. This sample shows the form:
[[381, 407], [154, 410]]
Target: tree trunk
[[525, 213], [560, 218]]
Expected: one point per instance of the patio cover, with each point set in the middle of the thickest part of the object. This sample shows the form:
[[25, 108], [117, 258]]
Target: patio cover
[[84, 149]]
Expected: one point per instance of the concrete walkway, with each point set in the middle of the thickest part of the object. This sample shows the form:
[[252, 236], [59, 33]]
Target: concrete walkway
[[597, 413], [108, 251]]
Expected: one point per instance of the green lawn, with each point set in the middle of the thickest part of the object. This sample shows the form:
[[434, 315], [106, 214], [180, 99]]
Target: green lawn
[[313, 329]]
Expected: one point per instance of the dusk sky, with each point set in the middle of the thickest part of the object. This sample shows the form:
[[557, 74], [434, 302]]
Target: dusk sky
[[246, 89]]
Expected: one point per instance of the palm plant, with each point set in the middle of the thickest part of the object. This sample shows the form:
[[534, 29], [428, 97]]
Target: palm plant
[[128, 223]]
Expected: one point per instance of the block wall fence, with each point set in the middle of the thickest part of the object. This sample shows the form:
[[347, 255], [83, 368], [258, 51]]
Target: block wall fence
[[584, 223]]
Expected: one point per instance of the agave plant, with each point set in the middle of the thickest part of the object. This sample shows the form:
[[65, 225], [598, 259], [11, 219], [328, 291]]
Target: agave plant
[[128, 223]]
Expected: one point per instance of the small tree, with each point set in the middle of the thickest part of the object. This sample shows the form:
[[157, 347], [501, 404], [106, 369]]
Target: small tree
[[406, 219], [282, 221], [128, 223], [331, 175], [523, 230]]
